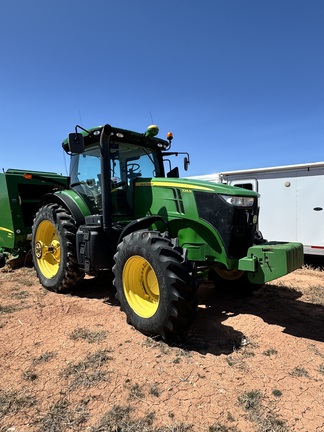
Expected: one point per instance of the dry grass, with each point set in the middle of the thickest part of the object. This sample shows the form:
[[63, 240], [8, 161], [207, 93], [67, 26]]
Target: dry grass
[[44, 358], [299, 372], [269, 352], [14, 401], [81, 333], [219, 427], [121, 419], [61, 416], [89, 372], [8, 309], [315, 295], [265, 420], [135, 392], [29, 375]]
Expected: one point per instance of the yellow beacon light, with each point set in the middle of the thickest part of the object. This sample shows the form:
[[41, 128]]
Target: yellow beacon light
[[170, 137]]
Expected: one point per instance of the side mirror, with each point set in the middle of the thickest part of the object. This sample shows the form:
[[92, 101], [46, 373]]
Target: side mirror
[[186, 163], [76, 143]]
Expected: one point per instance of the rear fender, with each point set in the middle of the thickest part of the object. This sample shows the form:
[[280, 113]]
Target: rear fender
[[72, 202]]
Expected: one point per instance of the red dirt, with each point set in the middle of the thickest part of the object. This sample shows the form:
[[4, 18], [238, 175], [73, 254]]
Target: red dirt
[[249, 364]]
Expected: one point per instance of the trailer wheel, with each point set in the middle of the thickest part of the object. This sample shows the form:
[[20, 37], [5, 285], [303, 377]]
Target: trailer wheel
[[53, 248], [154, 284], [235, 281]]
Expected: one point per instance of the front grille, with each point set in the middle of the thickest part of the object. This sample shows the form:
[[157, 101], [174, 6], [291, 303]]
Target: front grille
[[234, 225]]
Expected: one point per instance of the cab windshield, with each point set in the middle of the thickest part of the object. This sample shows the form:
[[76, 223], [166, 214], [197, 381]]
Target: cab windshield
[[127, 163]]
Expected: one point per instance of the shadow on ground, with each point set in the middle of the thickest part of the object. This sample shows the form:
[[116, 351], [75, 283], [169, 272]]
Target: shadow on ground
[[209, 334], [273, 304], [97, 288]]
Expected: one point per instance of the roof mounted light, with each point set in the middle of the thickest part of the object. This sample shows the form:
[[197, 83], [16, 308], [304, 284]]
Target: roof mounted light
[[170, 137], [152, 131]]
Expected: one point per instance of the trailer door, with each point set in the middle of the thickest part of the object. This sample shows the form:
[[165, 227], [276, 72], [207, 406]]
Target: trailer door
[[310, 214], [278, 213]]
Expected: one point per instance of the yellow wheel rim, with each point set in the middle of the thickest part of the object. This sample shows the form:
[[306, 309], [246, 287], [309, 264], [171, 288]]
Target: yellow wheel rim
[[141, 287], [47, 249], [230, 275]]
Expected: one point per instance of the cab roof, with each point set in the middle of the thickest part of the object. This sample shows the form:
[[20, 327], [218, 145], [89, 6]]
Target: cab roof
[[92, 136]]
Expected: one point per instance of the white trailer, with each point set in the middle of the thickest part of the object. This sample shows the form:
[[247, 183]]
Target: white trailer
[[291, 201]]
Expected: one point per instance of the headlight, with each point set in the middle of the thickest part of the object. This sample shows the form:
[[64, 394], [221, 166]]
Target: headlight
[[238, 201]]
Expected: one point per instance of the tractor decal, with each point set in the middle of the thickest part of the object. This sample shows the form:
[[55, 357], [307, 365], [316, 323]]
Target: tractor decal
[[185, 186]]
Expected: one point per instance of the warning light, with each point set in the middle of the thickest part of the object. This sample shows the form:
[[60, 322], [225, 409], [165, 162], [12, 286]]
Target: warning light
[[28, 176], [170, 137]]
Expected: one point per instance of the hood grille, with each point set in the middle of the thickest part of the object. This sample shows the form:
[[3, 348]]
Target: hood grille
[[235, 226]]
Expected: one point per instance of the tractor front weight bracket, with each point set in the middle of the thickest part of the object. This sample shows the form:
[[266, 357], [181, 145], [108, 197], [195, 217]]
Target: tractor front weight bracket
[[271, 260]]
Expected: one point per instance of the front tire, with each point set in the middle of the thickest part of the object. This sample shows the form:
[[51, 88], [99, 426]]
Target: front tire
[[233, 281], [154, 284], [53, 248]]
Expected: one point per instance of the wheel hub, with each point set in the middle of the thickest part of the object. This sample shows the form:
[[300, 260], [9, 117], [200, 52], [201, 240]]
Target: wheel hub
[[38, 250]]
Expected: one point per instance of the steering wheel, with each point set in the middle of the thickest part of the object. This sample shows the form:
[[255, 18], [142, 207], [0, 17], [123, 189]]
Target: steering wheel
[[131, 168]]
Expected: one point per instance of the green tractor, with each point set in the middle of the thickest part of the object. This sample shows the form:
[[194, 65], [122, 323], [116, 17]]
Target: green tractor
[[157, 233]]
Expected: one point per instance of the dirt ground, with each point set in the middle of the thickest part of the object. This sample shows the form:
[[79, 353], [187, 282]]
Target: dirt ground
[[72, 363]]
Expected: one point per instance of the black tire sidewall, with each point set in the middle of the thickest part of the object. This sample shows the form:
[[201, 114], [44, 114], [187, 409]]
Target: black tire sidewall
[[49, 213], [154, 323]]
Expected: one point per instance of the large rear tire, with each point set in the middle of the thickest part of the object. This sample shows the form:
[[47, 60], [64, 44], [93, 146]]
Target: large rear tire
[[233, 281], [53, 249], [154, 284]]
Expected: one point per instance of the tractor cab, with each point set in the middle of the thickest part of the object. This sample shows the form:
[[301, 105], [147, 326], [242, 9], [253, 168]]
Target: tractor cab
[[127, 163], [119, 161]]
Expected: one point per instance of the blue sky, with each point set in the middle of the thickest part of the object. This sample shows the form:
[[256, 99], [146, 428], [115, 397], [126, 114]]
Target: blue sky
[[238, 82]]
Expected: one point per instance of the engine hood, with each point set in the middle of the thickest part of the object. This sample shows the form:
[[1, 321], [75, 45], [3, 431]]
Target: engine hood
[[198, 185]]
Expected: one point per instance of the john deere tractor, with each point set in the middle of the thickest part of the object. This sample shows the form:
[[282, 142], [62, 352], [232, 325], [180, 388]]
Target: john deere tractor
[[156, 232]]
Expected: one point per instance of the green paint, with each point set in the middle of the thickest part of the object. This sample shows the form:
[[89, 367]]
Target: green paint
[[270, 261], [19, 201]]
